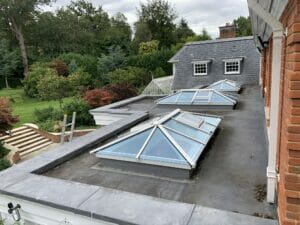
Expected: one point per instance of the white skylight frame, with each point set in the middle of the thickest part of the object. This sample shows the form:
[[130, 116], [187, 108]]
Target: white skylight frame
[[164, 129], [231, 101], [235, 86], [236, 60], [202, 65]]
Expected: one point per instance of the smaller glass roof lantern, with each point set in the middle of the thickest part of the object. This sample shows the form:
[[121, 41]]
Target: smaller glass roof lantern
[[225, 86], [176, 140], [197, 97]]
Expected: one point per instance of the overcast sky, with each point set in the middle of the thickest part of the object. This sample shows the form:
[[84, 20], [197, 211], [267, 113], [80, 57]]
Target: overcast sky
[[209, 14]]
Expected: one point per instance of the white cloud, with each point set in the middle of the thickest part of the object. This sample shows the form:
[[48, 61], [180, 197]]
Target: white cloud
[[208, 14]]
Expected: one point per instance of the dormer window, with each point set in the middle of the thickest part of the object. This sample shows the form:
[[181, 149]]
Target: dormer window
[[232, 66], [200, 68]]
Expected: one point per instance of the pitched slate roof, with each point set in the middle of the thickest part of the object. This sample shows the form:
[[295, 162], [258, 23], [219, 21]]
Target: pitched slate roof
[[216, 51]]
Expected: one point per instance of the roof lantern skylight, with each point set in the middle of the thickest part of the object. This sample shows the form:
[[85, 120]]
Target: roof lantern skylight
[[225, 86], [176, 140], [197, 97]]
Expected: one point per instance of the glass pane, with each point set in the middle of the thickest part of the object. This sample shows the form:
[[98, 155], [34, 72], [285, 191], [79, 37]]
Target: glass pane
[[208, 128], [160, 148], [203, 93], [171, 99], [190, 119], [186, 97], [212, 120], [187, 130], [219, 99], [128, 147], [191, 147]]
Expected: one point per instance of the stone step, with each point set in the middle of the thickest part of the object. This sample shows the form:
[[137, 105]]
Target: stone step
[[14, 131], [23, 153], [19, 137], [18, 142], [31, 140], [34, 145], [21, 131]]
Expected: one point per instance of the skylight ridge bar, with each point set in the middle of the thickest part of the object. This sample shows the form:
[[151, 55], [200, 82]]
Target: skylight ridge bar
[[146, 142], [177, 146]]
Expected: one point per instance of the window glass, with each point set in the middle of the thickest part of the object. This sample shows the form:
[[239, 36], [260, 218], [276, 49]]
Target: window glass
[[200, 69], [171, 99], [187, 130], [160, 148], [191, 147], [186, 97], [232, 67], [128, 147]]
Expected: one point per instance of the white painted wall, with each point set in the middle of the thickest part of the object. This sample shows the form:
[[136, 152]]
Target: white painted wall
[[34, 213]]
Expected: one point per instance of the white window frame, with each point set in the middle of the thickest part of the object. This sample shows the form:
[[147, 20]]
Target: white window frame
[[200, 63], [238, 60]]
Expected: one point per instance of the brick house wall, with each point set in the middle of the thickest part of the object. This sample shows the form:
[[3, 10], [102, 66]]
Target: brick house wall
[[288, 155]]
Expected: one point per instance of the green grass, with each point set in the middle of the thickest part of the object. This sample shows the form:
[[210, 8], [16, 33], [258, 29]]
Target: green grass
[[24, 107]]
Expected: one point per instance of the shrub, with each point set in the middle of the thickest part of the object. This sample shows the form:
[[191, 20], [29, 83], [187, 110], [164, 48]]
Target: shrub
[[86, 62], [3, 151], [131, 75], [43, 115], [37, 71], [4, 164], [97, 97], [60, 66], [120, 91], [80, 81], [83, 117], [148, 47], [54, 87], [6, 118], [152, 61]]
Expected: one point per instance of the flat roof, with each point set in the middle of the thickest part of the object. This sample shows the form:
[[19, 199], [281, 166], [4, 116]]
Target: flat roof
[[228, 175]]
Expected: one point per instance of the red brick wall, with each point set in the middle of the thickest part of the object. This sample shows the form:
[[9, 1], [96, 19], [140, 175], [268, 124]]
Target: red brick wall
[[289, 151], [227, 31]]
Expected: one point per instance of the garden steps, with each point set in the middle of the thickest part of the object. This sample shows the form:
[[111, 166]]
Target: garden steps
[[25, 140], [24, 153]]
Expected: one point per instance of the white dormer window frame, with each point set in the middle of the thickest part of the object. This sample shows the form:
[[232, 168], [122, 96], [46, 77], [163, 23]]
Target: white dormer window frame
[[200, 68], [232, 66]]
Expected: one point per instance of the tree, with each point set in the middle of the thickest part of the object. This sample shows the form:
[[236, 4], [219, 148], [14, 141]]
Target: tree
[[158, 16], [54, 87], [6, 118], [183, 30], [14, 16], [204, 36], [148, 47], [113, 60], [243, 26], [9, 61], [119, 33]]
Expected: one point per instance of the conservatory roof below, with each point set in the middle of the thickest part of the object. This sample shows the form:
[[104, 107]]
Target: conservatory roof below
[[225, 85], [197, 97], [175, 140]]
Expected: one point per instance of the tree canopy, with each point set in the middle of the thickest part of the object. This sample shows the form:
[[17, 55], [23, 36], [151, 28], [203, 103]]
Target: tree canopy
[[243, 26]]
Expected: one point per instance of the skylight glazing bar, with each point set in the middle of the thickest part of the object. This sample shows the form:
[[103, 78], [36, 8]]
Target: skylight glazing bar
[[182, 152], [121, 139], [184, 135], [146, 142], [197, 128], [178, 97]]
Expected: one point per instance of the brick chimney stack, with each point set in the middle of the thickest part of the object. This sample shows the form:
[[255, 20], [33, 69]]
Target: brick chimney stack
[[227, 31]]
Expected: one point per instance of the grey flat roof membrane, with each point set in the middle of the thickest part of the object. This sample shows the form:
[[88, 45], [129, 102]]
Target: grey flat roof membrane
[[175, 140], [197, 97]]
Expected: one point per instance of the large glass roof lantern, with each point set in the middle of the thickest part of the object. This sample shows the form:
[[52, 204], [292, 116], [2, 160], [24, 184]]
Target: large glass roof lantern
[[176, 140], [226, 86], [197, 97]]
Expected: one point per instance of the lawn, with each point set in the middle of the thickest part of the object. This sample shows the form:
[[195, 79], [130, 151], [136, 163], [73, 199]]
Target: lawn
[[24, 107]]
